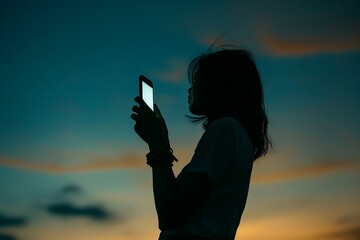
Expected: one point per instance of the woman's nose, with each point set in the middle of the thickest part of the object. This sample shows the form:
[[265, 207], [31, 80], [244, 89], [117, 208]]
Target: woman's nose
[[189, 90]]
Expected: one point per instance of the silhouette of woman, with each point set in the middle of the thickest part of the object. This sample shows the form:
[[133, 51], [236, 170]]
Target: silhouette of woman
[[206, 200]]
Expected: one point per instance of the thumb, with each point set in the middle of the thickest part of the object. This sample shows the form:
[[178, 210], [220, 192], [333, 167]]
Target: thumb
[[157, 111]]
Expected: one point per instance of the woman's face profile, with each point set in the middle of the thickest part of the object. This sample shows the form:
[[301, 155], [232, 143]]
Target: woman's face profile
[[194, 100], [201, 97]]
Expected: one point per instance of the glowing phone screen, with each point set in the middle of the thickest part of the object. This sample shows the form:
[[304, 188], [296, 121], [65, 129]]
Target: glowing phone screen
[[147, 95]]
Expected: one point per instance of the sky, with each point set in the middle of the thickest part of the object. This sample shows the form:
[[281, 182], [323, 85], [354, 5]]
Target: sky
[[71, 165]]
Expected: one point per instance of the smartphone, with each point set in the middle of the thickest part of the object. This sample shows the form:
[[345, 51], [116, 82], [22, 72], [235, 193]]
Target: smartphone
[[146, 91]]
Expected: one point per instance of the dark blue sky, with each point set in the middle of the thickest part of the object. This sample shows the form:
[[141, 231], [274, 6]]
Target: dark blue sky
[[68, 76]]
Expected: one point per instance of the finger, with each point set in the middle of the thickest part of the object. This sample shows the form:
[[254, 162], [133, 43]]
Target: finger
[[140, 101], [136, 109], [135, 117], [136, 128], [143, 106], [157, 111]]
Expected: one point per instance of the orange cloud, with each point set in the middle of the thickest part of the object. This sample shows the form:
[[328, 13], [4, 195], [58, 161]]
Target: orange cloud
[[287, 47], [99, 164], [127, 161], [131, 161], [268, 36], [311, 171]]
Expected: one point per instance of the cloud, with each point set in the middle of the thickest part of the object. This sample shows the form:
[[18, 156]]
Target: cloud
[[302, 30], [6, 221], [131, 161], [291, 47], [176, 71], [290, 28], [323, 168], [72, 188], [96, 164], [348, 219], [352, 233], [66, 209], [283, 44], [5, 236]]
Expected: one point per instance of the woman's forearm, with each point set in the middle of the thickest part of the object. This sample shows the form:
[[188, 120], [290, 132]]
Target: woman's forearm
[[164, 188]]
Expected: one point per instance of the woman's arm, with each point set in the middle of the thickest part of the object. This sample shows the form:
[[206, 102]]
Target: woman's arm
[[178, 200], [164, 189]]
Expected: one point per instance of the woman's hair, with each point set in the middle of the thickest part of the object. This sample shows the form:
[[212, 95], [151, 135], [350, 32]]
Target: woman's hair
[[234, 75]]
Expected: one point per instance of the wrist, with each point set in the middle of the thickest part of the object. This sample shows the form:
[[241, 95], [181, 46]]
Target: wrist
[[161, 156], [155, 147]]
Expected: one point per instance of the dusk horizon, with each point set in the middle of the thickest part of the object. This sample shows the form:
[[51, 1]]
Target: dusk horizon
[[71, 165]]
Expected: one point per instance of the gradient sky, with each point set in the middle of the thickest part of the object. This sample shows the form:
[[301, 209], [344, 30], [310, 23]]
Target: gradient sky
[[71, 166]]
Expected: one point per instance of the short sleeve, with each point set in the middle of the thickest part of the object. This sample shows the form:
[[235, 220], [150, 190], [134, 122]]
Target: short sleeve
[[215, 151]]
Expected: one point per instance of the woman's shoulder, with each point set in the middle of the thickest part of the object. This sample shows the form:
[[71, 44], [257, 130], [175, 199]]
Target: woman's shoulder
[[226, 126]]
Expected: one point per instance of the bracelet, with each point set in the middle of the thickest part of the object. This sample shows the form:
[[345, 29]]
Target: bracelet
[[160, 156]]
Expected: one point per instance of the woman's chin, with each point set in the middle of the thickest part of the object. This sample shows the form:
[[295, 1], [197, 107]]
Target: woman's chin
[[195, 111]]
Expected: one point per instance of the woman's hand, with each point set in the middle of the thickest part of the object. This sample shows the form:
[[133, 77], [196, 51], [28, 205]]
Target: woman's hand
[[150, 126]]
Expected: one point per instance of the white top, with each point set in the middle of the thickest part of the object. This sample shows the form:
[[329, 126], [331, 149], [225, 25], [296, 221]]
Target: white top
[[225, 154]]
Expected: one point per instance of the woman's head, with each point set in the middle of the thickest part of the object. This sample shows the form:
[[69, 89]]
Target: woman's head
[[226, 83]]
